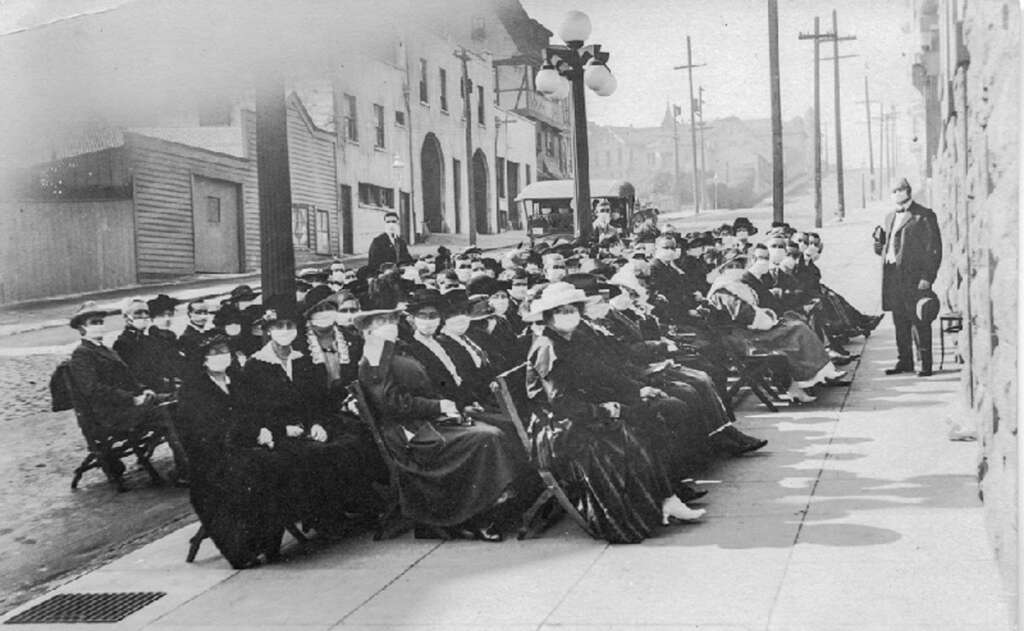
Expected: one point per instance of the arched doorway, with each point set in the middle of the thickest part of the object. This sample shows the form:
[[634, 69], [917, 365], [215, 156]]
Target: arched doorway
[[432, 185], [478, 196]]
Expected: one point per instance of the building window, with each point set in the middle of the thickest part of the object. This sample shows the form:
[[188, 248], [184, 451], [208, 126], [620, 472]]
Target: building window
[[378, 122], [457, 190], [480, 105], [400, 118], [377, 196], [351, 119], [443, 89], [528, 175], [424, 94], [212, 209], [499, 174]]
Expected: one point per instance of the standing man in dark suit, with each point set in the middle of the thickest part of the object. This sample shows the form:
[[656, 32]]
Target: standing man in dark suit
[[388, 247], [911, 251]]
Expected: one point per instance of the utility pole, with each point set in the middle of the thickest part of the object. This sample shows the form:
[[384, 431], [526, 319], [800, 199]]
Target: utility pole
[[700, 127], [778, 180], [871, 154], [693, 125], [277, 253], [816, 37], [883, 159], [467, 112], [839, 127]]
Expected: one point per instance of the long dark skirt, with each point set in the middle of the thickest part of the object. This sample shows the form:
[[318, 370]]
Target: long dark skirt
[[611, 477], [839, 316], [238, 496], [451, 473]]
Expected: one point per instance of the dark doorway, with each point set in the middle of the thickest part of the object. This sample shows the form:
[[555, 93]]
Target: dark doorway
[[478, 196], [432, 172], [512, 181], [403, 214], [457, 189], [346, 219]]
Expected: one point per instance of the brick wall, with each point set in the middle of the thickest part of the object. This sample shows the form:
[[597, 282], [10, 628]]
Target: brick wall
[[974, 190]]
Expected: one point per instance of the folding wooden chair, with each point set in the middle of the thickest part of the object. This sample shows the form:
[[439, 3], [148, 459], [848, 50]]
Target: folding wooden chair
[[751, 372], [391, 523], [106, 447], [201, 534], [510, 389]]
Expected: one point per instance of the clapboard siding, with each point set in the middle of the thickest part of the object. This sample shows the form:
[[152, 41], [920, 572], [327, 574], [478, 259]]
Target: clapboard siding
[[162, 178], [312, 168], [54, 248]]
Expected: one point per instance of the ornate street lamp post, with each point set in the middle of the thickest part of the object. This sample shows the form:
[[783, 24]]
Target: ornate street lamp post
[[580, 64]]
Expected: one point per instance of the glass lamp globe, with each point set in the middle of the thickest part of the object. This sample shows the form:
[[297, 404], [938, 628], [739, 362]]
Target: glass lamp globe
[[575, 27], [548, 81], [609, 86], [597, 76], [562, 91]]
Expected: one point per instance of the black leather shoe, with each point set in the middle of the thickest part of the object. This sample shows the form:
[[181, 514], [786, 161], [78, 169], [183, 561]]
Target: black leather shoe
[[924, 373], [897, 370], [687, 493], [752, 445]]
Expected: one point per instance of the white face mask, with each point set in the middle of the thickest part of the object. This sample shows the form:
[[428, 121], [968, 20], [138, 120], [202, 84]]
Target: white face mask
[[565, 322], [93, 332], [518, 291], [163, 322], [620, 302], [218, 363], [775, 255], [500, 305], [742, 235], [900, 197], [386, 332], [391, 228], [759, 268], [456, 325], [812, 252], [426, 326], [233, 329], [140, 324], [199, 320], [323, 319], [598, 311], [788, 264], [338, 277], [283, 337], [555, 274], [463, 274], [665, 255]]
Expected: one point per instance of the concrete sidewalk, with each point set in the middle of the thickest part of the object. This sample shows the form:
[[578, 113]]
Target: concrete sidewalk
[[860, 514]]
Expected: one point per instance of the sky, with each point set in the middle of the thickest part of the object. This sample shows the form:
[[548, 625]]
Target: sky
[[646, 38]]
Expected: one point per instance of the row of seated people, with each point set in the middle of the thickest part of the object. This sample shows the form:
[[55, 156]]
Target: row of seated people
[[625, 411]]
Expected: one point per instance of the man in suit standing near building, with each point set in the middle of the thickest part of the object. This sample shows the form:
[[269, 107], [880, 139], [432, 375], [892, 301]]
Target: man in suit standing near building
[[388, 247], [911, 251]]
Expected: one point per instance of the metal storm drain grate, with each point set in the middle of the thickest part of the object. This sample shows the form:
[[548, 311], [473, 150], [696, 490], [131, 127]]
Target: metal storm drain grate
[[86, 608]]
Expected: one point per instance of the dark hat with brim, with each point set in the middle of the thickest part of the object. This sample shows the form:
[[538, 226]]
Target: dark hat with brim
[[228, 314], [213, 341], [162, 304], [480, 308], [423, 298], [742, 223], [455, 301], [927, 308], [277, 309], [317, 297], [361, 318], [242, 292], [590, 284], [485, 285], [88, 310]]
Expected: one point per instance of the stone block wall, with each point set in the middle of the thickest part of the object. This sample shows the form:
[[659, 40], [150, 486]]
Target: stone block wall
[[974, 191]]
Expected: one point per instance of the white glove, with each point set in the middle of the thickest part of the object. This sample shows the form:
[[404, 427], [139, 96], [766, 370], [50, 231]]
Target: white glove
[[318, 433], [448, 408], [613, 407], [265, 438], [293, 431]]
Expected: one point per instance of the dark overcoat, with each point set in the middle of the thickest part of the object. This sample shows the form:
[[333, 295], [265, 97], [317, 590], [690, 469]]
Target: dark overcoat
[[918, 252]]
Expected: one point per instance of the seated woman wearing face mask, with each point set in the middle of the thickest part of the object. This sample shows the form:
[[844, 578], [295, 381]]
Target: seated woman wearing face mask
[[288, 411], [452, 474], [841, 319], [500, 330], [238, 490], [620, 487], [760, 325]]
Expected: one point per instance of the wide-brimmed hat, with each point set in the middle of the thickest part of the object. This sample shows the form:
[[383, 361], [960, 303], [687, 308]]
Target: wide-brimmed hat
[[313, 275], [276, 309], [590, 284], [228, 314], [485, 285], [742, 223], [454, 302], [927, 307], [480, 308], [86, 311], [557, 295], [240, 293], [422, 298], [162, 304], [211, 341], [317, 297], [360, 318]]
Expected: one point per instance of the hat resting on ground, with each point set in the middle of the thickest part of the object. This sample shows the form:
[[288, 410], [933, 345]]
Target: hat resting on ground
[[86, 311]]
